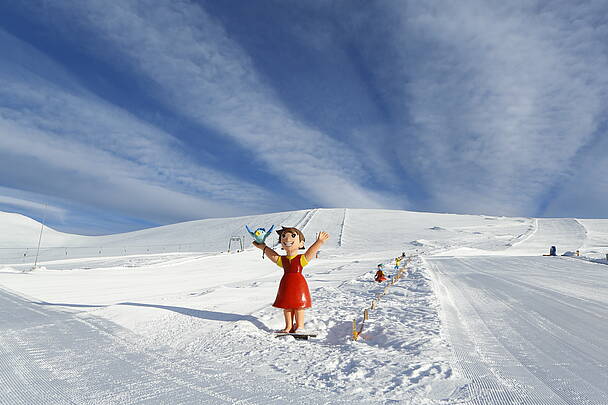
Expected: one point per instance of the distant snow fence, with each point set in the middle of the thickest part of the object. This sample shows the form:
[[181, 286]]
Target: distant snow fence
[[374, 304], [20, 255]]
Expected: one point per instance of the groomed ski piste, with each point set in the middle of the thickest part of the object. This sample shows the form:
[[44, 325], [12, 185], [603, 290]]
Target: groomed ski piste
[[169, 316]]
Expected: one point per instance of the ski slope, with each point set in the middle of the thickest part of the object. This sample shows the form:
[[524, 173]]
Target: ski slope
[[479, 317], [566, 234], [527, 330], [54, 357]]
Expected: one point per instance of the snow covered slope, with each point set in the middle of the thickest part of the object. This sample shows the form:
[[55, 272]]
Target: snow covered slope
[[565, 233], [527, 330], [596, 242], [351, 229], [173, 294]]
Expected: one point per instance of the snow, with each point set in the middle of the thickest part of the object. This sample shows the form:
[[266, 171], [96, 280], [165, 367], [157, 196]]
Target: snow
[[479, 315], [527, 330]]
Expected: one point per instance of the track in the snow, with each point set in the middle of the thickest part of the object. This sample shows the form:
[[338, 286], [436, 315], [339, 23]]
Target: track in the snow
[[52, 357], [527, 330]]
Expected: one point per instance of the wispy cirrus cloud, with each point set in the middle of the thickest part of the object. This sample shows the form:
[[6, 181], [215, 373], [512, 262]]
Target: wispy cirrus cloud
[[469, 107], [584, 193], [496, 98], [100, 154], [21, 204], [200, 73], [66, 213]]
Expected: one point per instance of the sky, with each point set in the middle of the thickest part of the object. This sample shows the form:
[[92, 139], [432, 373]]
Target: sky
[[116, 116]]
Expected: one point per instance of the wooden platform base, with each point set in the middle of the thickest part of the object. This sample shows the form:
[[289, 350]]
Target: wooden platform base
[[300, 336]]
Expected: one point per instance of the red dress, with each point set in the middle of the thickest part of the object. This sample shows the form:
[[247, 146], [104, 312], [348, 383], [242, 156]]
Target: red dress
[[293, 290], [380, 276]]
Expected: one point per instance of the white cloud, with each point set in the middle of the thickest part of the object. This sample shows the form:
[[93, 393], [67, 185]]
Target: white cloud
[[201, 73], [500, 96], [57, 125], [41, 209], [92, 176], [584, 193]]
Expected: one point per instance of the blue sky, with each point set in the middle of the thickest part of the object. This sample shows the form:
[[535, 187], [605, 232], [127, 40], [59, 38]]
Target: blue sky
[[121, 115]]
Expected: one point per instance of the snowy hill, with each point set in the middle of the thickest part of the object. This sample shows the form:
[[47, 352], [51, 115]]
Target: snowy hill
[[478, 315], [351, 229]]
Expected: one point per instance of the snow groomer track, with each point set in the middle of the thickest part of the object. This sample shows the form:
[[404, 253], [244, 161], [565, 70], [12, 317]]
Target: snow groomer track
[[527, 330], [52, 357]]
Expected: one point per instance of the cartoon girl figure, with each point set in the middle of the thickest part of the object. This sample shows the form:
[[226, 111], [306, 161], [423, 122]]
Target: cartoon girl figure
[[293, 295]]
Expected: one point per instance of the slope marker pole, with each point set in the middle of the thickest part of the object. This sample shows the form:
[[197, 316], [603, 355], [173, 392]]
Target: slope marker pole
[[40, 238]]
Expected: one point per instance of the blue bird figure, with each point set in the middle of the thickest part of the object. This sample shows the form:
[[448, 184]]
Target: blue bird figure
[[260, 234]]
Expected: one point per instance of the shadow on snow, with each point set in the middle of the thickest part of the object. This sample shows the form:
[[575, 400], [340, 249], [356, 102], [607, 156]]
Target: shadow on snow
[[197, 313]]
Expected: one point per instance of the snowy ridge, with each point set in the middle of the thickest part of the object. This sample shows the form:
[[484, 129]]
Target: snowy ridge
[[212, 235]]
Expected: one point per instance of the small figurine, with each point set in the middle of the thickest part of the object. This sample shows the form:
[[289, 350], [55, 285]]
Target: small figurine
[[380, 277], [260, 234], [293, 296]]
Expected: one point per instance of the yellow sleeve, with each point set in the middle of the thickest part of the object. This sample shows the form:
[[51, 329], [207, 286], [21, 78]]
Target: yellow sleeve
[[303, 261], [280, 262]]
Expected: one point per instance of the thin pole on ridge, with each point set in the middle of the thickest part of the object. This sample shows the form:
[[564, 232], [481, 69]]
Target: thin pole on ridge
[[40, 237]]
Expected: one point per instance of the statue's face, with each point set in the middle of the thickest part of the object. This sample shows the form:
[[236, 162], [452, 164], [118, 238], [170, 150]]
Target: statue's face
[[291, 241]]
